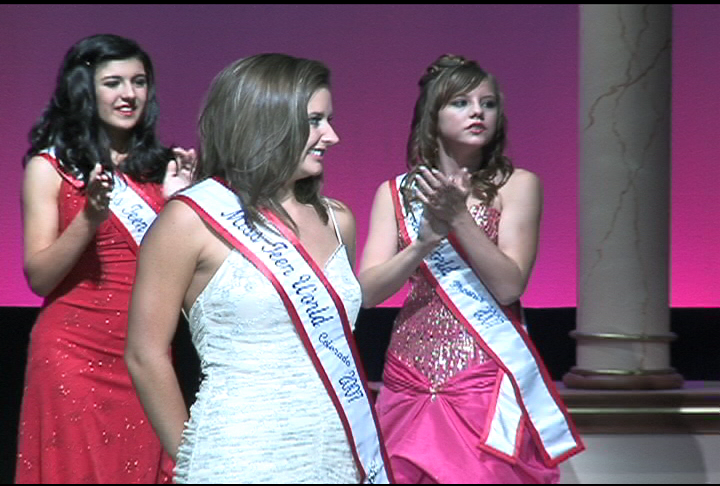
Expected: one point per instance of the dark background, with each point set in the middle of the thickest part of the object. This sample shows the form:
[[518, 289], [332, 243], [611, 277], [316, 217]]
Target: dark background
[[694, 354]]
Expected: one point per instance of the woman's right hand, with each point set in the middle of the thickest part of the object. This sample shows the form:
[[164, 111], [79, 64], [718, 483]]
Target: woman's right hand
[[100, 185], [51, 251], [386, 267], [444, 196], [432, 229]]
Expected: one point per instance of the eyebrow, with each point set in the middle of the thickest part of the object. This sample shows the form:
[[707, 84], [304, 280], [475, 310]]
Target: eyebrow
[[118, 76], [491, 95]]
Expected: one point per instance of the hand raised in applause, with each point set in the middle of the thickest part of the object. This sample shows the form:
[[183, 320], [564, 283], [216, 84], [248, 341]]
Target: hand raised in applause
[[444, 196], [180, 171], [98, 192], [432, 229]]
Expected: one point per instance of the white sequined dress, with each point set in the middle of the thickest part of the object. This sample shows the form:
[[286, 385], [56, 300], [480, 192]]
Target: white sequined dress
[[262, 414]]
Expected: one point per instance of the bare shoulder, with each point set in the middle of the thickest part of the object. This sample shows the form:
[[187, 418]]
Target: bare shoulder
[[523, 179], [521, 183], [523, 187], [40, 168], [383, 189], [346, 225], [345, 221], [383, 196], [177, 209], [177, 220], [40, 162], [337, 205], [341, 209], [41, 182]]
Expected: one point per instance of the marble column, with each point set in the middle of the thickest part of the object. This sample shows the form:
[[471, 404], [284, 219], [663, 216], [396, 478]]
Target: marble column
[[623, 314]]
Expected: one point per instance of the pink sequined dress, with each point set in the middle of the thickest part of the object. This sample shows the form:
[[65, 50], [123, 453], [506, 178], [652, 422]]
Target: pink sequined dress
[[81, 421], [438, 386]]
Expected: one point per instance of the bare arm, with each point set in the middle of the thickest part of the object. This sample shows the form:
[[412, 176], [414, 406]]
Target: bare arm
[[384, 270], [504, 268], [165, 268], [50, 256]]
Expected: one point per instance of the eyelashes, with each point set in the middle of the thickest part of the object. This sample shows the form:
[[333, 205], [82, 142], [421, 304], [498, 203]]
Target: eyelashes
[[316, 120], [488, 104], [139, 82]]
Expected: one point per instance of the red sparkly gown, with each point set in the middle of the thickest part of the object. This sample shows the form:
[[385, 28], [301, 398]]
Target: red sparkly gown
[[81, 421], [438, 385]]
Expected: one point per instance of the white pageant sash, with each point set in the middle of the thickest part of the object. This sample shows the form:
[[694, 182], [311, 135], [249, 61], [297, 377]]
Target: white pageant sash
[[130, 212], [315, 309], [525, 387], [130, 209]]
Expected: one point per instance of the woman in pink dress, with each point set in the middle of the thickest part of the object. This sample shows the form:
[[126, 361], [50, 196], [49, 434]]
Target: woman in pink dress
[[95, 176], [466, 397]]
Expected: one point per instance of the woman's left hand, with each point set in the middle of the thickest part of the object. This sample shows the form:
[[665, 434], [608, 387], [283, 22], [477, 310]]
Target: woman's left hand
[[445, 197], [180, 171]]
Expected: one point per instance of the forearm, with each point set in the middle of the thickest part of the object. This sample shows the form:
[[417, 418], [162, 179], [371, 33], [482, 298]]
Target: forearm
[[46, 268], [159, 392], [499, 273], [381, 281]]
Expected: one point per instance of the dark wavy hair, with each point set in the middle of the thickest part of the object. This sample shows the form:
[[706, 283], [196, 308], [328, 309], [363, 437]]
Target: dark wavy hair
[[71, 124], [254, 127], [444, 79]]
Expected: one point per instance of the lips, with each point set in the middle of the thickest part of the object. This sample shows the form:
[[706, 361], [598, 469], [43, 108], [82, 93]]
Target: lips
[[126, 110], [316, 152], [477, 127]]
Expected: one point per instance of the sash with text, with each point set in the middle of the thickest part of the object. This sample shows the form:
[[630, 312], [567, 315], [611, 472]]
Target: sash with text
[[314, 307], [526, 388], [130, 210]]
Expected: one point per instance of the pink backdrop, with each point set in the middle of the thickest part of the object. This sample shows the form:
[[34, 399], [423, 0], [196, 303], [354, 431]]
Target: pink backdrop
[[377, 53]]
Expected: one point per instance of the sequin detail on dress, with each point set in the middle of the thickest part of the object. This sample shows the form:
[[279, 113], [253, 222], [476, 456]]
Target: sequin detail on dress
[[426, 335], [81, 421]]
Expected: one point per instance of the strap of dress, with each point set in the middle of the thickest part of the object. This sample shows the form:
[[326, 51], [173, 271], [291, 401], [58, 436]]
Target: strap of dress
[[335, 225]]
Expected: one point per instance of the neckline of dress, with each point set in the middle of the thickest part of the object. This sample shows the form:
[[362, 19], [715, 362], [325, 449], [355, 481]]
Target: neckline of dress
[[479, 205]]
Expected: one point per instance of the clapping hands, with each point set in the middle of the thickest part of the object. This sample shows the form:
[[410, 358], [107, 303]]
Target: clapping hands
[[99, 187], [180, 171], [444, 198]]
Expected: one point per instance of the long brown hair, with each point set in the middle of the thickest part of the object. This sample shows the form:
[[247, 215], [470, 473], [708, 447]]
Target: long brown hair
[[444, 79], [254, 127]]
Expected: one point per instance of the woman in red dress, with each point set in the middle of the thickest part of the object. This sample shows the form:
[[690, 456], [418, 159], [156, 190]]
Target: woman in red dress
[[95, 176]]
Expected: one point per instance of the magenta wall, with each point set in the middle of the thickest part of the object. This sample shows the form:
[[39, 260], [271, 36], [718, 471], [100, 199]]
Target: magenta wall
[[377, 53]]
